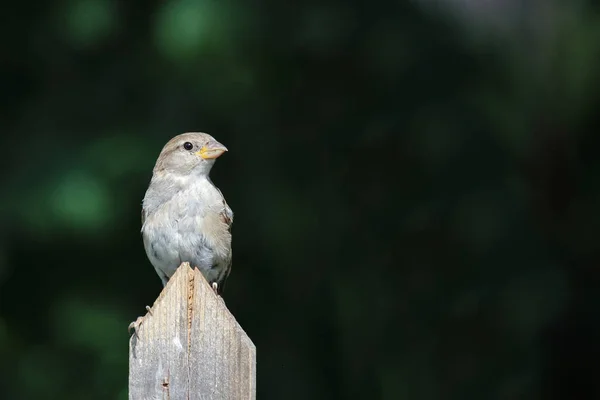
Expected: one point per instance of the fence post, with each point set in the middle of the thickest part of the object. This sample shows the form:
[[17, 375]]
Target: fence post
[[190, 347]]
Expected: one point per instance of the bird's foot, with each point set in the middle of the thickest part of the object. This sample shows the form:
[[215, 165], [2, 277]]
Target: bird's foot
[[135, 325], [215, 287]]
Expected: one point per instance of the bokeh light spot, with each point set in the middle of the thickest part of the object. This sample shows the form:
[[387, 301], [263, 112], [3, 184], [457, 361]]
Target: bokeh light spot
[[80, 200], [90, 21], [184, 27]]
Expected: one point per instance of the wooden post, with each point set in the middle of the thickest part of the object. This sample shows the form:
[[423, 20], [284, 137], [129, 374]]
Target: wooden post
[[190, 347]]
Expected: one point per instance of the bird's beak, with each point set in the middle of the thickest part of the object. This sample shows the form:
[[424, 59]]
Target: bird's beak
[[212, 149]]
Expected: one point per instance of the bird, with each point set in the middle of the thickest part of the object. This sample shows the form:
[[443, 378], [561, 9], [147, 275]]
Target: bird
[[184, 215]]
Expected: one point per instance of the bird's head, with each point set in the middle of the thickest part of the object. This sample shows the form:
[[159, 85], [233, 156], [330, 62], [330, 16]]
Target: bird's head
[[192, 153]]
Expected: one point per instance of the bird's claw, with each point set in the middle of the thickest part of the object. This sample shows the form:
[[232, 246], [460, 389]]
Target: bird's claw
[[135, 325], [215, 287]]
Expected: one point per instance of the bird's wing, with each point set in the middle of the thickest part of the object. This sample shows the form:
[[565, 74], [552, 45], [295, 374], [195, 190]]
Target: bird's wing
[[227, 215], [226, 212], [143, 216]]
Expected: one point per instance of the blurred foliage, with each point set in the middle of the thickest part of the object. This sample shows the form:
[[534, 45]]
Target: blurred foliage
[[415, 189]]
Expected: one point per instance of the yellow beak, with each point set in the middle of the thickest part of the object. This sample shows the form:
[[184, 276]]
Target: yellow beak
[[212, 149]]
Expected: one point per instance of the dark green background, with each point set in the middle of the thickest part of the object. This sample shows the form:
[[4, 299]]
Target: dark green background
[[416, 192]]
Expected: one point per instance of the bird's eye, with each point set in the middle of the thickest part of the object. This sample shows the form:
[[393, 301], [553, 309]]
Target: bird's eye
[[188, 146]]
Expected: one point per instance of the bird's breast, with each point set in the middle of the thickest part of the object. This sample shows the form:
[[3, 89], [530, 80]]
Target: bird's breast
[[192, 220]]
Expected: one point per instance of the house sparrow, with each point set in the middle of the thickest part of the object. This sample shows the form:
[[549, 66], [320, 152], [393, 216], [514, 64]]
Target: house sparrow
[[184, 215]]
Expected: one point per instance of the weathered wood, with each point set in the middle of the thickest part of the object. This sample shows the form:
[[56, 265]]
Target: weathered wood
[[190, 347]]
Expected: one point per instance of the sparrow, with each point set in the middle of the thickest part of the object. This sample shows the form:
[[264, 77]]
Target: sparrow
[[184, 215]]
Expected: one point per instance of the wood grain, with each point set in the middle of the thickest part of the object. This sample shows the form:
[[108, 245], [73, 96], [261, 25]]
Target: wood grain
[[190, 347]]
